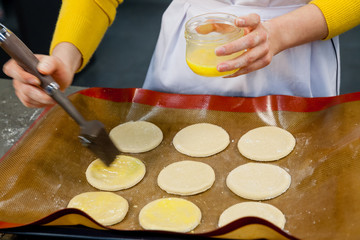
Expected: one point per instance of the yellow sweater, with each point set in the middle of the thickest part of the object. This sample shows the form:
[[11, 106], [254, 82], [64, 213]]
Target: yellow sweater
[[340, 15], [84, 22]]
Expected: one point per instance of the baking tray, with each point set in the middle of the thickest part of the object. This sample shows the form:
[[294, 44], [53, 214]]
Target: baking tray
[[46, 168]]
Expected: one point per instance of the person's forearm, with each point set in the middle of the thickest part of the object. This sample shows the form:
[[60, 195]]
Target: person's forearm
[[69, 55], [300, 26]]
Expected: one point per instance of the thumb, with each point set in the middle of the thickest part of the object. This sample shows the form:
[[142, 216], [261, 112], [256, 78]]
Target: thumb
[[47, 65]]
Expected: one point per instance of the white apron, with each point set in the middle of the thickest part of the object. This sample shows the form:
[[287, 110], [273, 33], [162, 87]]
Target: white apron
[[310, 70]]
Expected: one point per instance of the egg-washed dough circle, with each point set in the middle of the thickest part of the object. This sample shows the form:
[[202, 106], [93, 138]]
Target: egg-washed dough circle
[[258, 181], [186, 178], [136, 137], [123, 173], [267, 143], [104, 207], [253, 209], [201, 140], [170, 214]]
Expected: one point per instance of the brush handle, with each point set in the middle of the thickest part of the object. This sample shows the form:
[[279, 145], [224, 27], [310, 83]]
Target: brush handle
[[17, 50]]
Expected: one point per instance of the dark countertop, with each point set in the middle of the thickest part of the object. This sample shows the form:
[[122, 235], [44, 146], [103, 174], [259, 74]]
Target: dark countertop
[[15, 118]]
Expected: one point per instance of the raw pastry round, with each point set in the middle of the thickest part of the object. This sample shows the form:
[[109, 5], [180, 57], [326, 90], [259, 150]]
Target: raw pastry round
[[170, 214], [186, 178], [253, 209], [258, 181], [266, 143], [136, 137], [123, 173], [201, 140], [104, 207]]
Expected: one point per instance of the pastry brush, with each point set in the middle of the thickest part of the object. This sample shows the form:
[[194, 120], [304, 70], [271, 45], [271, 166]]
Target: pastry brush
[[92, 133]]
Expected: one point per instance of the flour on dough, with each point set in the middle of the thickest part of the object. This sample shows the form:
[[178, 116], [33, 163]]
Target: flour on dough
[[258, 181], [136, 137], [267, 143], [186, 178], [104, 207], [123, 173], [253, 209], [170, 214], [201, 140]]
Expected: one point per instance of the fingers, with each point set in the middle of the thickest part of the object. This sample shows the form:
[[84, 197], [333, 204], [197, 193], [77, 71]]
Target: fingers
[[223, 28], [256, 44], [249, 61], [51, 65], [27, 86], [256, 65], [205, 28], [256, 34], [214, 27], [251, 40], [251, 20], [13, 70], [31, 96], [48, 65]]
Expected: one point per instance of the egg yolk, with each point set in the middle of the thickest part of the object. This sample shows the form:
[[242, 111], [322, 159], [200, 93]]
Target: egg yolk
[[203, 62]]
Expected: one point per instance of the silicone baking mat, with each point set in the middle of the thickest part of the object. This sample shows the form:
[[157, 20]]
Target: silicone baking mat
[[46, 168]]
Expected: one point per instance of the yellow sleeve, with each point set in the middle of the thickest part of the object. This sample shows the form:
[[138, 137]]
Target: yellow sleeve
[[84, 23], [340, 15]]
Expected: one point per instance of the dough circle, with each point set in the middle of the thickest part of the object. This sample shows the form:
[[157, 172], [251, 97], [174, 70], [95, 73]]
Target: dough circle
[[201, 140], [104, 207], [123, 173], [170, 214], [258, 181], [186, 178], [267, 143], [253, 209], [136, 137]]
